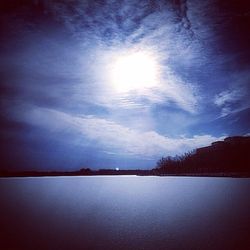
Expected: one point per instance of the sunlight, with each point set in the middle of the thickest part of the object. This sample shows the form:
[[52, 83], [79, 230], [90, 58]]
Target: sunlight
[[135, 71]]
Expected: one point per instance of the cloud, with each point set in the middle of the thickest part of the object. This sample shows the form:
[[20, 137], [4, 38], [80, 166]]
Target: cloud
[[228, 96], [113, 137], [103, 29], [56, 61], [235, 98], [113, 27]]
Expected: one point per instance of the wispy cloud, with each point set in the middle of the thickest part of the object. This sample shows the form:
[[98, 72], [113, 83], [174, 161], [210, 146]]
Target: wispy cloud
[[56, 61], [112, 27], [235, 98], [228, 96], [101, 30], [113, 137]]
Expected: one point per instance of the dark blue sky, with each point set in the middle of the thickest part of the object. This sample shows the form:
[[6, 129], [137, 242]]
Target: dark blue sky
[[62, 109]]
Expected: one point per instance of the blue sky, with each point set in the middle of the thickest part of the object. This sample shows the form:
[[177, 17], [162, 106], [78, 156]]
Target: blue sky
[[60, 108]]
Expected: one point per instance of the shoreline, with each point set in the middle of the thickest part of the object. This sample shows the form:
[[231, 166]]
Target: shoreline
[[226, 175]]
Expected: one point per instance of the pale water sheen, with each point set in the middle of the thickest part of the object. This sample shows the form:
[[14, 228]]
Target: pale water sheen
[[124, 212]]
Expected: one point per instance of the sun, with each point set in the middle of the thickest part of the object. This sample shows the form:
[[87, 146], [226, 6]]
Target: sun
[[133, 72]]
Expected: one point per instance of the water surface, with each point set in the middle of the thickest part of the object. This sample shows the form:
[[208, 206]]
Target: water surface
[[124, 212]]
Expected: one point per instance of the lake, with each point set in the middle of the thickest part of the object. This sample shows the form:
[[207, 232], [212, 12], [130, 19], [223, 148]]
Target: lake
[[124, 212]]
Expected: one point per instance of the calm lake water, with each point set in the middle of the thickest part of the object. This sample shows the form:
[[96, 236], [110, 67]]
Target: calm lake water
[[125, 212]]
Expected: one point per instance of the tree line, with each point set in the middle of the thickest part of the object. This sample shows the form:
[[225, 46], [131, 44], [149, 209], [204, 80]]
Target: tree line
[[231, 155]]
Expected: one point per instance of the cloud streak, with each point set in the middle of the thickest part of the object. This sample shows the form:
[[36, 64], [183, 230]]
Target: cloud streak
[[235, 98], [113, 137]]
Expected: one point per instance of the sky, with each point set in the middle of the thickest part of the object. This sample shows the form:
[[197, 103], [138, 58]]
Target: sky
[[105, 84]]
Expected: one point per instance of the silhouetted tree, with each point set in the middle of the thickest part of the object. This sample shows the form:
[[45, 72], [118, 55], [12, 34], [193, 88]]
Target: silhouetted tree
[[230, 155]]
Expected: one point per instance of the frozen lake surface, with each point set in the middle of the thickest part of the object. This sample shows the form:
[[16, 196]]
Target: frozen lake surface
[[124, 212]]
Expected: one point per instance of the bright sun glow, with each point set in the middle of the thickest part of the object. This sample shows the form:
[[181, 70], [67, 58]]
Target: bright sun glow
[[136, 71]]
